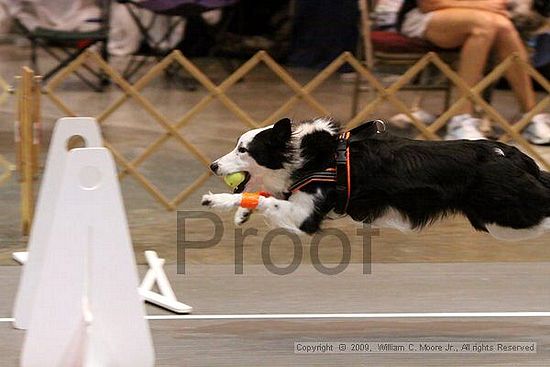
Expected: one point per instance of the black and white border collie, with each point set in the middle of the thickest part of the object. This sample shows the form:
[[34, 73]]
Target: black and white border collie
[[395, 182]]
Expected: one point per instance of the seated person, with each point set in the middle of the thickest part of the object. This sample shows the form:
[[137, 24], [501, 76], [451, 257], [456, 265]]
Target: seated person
[[61, 15], [477, 27]]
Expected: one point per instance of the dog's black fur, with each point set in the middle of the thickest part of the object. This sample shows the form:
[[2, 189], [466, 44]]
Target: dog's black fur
[[488, 182], [492, 184]]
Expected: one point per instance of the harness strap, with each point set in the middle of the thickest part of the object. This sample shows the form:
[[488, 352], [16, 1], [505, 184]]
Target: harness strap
[[328, 175], [343, 174]]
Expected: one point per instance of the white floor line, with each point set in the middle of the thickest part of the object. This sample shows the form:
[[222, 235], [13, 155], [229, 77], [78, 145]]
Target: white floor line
[[391, 315], [305, 316]]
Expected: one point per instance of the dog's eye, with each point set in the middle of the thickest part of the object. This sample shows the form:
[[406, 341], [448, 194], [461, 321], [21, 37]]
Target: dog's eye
[[242, 150]]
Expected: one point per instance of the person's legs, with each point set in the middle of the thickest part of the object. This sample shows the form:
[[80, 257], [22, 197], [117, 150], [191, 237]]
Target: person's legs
[[508, 41], [475, 31]]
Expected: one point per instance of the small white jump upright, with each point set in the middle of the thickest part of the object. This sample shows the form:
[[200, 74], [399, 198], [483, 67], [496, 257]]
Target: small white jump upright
[[48, 195], [64, 129], [86, 310]]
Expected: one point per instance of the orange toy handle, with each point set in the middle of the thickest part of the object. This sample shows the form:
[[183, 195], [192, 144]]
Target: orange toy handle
[[250, 200]]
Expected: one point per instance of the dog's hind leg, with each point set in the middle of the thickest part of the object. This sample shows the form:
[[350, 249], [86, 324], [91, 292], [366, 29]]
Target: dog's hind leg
[[511, 234]]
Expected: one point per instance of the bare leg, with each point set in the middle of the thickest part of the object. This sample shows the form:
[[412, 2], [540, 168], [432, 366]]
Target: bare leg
[[475, 31], [508, 41]]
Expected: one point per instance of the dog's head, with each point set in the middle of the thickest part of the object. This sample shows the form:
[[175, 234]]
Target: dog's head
[[259, 153]]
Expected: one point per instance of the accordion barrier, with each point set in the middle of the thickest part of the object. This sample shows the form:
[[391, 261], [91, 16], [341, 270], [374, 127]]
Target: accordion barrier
[[30, 96]]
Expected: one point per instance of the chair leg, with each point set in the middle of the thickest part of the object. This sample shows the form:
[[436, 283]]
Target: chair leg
[[104, 78], [133, 66], [355, 96], [486, 125], [64, 61], [357, 82], [424, 79], [34, 62], [173, 72], [448, 93]]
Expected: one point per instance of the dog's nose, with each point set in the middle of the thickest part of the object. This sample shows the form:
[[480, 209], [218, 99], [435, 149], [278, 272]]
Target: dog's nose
[[214, 167]]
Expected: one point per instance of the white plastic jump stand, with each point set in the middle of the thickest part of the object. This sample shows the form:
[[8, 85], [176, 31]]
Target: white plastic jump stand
[[166, 299], [48, 195], [65, 128], [86, 308], [21, 257]]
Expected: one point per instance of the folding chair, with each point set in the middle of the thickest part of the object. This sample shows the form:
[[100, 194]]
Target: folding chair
[[390, 48], [66, 45], [386, 47], [178, 10]]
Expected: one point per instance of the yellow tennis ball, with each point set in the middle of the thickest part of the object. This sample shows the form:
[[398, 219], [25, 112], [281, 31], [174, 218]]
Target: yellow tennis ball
[[234, 179]]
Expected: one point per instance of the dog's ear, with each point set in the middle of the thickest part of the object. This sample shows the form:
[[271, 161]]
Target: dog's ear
[[282, 130]]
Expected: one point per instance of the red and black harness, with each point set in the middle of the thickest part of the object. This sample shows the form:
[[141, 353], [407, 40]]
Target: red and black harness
[[341, 174]]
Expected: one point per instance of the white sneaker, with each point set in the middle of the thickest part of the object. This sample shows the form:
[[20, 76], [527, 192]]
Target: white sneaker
[[402, 121], [538, 131], [464, 127]]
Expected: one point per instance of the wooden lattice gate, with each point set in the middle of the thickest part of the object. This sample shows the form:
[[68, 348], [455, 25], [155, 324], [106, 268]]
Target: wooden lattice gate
[[172, 128]]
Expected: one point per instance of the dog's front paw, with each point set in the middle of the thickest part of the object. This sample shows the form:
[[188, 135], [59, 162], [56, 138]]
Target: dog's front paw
[[205, 201], [242, 215], [221, 201]]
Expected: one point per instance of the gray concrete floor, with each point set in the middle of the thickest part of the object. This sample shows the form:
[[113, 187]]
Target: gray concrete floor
[[214, 289], [445, 268]]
